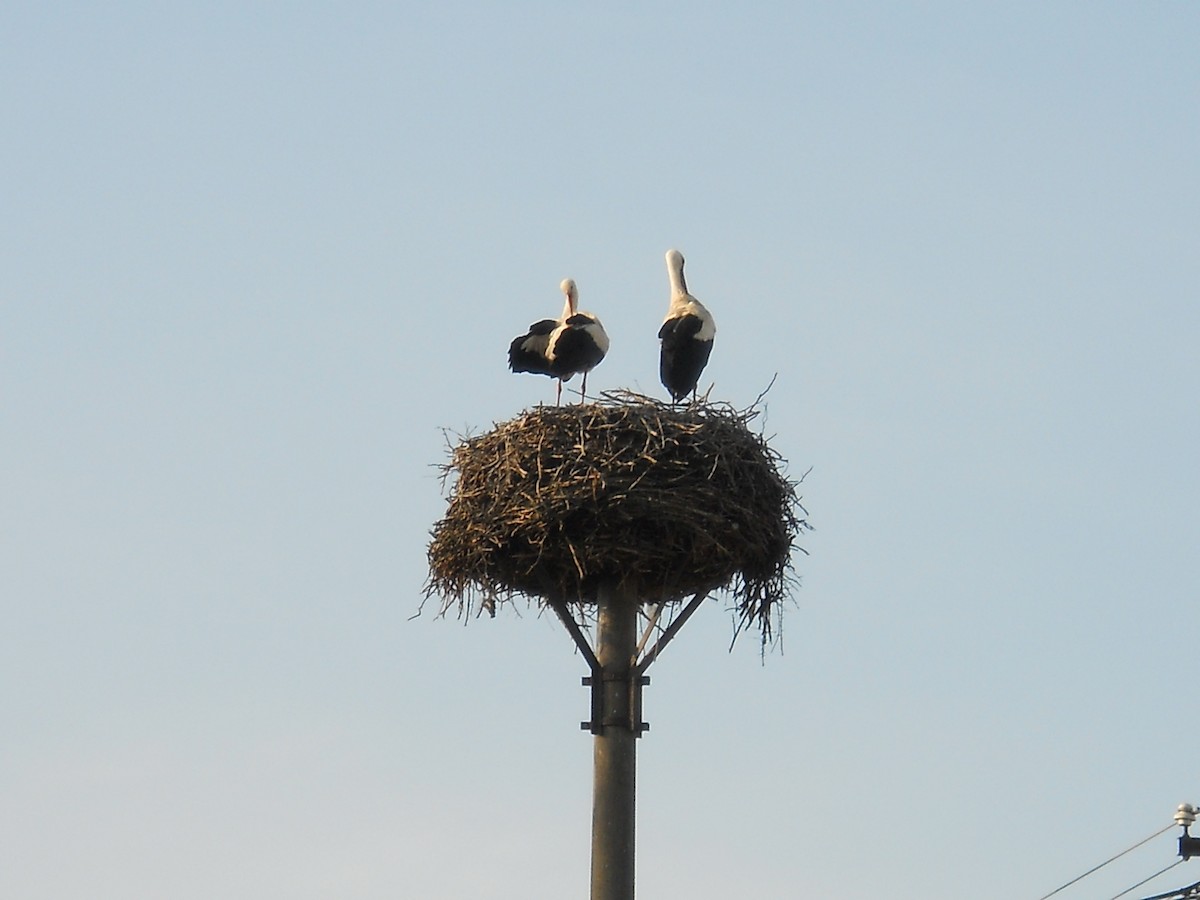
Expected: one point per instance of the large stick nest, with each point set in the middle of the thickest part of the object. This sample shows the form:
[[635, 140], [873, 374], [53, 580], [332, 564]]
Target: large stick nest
[[665, 501]]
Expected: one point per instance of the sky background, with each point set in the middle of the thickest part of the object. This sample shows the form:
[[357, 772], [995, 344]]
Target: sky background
[[255, 259]]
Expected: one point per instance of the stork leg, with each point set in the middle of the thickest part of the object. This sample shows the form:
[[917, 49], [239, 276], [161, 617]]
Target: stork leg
[[557, 391], [583, 390]]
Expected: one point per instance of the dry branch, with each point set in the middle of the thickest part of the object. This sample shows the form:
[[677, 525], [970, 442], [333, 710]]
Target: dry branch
[[666, 500]]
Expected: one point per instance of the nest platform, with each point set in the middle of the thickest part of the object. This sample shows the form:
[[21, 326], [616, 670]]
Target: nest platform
[[666, 501]]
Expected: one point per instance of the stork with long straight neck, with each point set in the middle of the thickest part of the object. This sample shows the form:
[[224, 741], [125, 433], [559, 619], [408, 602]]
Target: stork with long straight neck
[[686, 334]]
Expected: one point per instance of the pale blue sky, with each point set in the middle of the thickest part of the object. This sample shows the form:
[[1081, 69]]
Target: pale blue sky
[[255, 258]]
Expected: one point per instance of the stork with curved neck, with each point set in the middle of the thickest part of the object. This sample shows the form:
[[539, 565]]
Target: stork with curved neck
[[686, 334], [575, 342]]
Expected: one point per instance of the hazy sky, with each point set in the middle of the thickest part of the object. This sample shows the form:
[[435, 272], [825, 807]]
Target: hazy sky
[[255, 258]]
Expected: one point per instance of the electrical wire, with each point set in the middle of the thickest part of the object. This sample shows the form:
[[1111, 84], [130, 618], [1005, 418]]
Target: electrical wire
[[1144, 880], [1107, 861], [1184, 893]]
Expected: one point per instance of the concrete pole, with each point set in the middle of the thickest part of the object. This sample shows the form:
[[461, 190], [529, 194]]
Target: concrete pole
[[614, 753]]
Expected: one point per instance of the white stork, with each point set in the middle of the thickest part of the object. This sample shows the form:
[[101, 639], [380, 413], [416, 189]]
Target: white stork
[[575, 342], [686, 334]]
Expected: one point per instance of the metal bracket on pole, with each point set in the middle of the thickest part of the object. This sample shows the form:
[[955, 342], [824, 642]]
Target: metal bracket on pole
[[573, 629], [598, 721], [596, 681], [673, 629], [596, 725], [636, 683], [638, 678]]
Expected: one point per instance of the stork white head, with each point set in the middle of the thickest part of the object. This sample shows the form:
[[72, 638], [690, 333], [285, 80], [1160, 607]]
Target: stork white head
[[675, 272], [572, 294]]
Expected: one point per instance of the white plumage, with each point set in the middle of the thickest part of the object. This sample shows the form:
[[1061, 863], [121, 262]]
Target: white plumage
[[575, 342], [687, 335]]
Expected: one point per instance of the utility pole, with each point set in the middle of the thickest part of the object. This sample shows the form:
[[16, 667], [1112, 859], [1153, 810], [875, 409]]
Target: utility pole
[[614, 753], [608, 513], [618, 669]]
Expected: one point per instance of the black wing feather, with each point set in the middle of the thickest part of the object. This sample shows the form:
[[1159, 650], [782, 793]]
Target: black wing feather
[[683, 356], [527, 353]]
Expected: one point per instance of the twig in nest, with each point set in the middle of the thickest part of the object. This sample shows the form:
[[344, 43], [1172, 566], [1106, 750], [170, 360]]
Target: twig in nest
[[666, 501]]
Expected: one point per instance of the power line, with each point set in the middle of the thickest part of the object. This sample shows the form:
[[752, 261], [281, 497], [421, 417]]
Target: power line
[[1107, 861], [1184, 893], [1144, 880]]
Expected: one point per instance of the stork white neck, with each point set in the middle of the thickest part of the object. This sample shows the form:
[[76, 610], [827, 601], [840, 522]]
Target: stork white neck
[[684, 304], [572, 294], [675, 273]]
